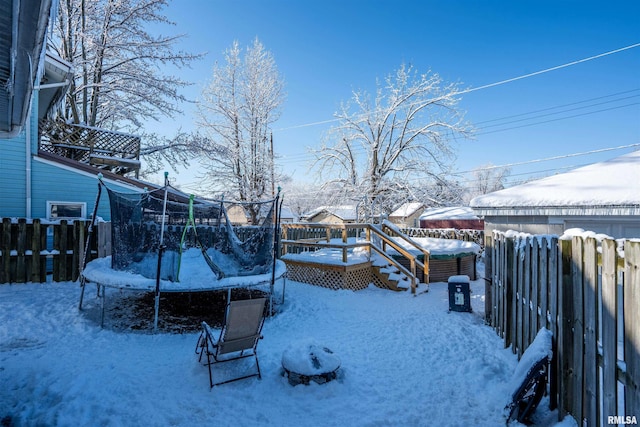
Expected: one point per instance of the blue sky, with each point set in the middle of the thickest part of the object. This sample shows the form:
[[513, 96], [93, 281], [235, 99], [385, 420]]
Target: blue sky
[[325, 49]]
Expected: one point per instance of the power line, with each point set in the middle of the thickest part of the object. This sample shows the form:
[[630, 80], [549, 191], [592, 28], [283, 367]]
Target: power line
[[560, 118], [551, 114], [490, 85], [547, 159], [307, 156], [559, 106], [547, 70]]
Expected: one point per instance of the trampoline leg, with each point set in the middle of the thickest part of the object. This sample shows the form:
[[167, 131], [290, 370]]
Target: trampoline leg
[[155, 316], [102, 297], [284, 283], [82, 285]]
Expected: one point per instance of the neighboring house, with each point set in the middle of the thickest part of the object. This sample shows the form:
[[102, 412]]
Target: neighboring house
[[287, 215], [602, 197], [332, 215], [458, 217], [238, 215], [408, 214]]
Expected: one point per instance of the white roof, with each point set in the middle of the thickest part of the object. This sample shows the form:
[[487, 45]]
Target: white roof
[[344, 212], [611, 187], [407, 209], [456, 212]]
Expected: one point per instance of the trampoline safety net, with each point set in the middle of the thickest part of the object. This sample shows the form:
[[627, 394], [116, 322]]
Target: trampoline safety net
[[137, 234]]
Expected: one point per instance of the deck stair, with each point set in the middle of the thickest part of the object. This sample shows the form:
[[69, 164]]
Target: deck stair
[[389, 276]]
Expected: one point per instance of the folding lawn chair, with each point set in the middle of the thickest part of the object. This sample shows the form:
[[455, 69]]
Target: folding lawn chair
[[238, 338]]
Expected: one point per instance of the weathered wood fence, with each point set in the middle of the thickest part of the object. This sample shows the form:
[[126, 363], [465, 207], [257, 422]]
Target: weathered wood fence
[[588, 294], [30, 250]]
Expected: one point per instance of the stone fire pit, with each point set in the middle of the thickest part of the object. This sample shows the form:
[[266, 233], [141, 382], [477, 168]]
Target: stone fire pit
[[307, 361]]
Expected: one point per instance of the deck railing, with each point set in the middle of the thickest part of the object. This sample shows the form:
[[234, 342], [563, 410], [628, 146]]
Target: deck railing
[[115, 151], [297, 237]]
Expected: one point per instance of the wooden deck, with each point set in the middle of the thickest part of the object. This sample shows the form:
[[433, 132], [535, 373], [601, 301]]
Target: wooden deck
[[349, 276]]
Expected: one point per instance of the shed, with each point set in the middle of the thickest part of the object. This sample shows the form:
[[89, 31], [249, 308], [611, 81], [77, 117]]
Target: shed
[[332, 214], [602, 197], [408, 214], [459, 217]]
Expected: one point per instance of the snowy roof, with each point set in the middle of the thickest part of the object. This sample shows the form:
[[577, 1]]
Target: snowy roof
[[407, 209], [344, 212], [287, 213], [456, 212], [611, 187]]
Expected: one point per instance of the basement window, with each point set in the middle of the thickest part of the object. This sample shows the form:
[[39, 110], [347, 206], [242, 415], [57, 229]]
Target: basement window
[[66, 210]]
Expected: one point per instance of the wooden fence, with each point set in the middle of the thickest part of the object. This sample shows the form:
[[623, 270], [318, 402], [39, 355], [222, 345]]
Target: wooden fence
[[30, 250], [588, 294]]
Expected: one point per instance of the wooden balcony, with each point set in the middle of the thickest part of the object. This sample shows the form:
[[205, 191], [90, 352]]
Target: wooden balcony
[[116, 152]]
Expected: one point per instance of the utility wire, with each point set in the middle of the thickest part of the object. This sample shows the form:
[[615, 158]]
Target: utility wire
[[490, 85], [547, 159], [547, 70], [559, 106], [558, 119], [308, 156], [554, 113]]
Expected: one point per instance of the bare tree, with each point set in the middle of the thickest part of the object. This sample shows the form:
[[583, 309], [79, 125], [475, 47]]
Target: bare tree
[[118, 83], [487, 179], [237, 109], [405, 131]]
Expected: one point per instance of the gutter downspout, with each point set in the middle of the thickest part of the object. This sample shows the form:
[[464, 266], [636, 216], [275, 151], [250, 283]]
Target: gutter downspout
[[27, 160]]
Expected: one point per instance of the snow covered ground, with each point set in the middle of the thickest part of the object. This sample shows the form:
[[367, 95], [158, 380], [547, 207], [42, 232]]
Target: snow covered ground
[[405, 361]]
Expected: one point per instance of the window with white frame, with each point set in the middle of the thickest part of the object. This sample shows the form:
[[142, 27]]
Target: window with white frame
[[66, 210]]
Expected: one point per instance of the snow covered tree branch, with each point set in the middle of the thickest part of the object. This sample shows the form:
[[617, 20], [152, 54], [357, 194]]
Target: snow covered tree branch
[[236, 111], [117, 83], [406, 131]]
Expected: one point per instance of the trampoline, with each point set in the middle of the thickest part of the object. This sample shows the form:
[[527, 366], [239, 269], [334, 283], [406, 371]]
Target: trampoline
[[165, 242]]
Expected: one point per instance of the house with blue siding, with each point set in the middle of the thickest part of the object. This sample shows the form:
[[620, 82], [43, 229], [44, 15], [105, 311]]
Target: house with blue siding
[[39, 184], [41, 175]]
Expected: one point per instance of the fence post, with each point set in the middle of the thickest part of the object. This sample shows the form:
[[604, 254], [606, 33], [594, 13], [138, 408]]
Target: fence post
[[104, 239], [590, 318], [78, 248], [632, 326], [511, 274], [543, 276], [577, 314], [60, 244], [565, 329], [21, 249], [609, 330], [488, 278], [495, 279], [535, 287], [519, 253], [5, 248], [552, 271], [36, 247]]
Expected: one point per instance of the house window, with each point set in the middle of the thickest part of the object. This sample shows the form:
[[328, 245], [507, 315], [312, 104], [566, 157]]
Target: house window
[[66, 210]]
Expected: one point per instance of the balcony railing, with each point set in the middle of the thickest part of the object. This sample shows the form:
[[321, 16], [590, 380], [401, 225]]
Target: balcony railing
[[117, 152]]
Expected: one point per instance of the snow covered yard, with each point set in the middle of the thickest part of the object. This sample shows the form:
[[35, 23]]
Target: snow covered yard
[[406, 361]]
